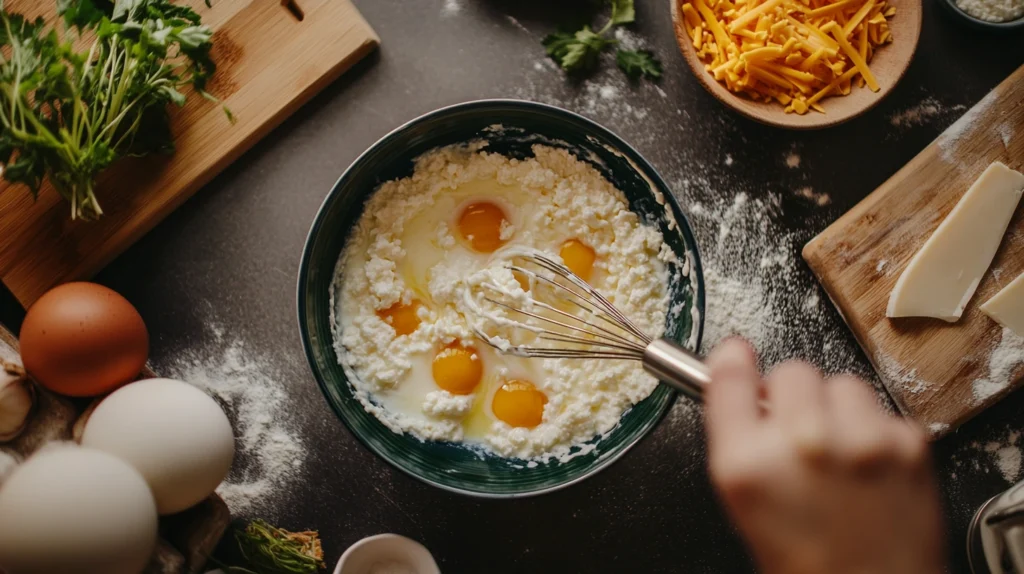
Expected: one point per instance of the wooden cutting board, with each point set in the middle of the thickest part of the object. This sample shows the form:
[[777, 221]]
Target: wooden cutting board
[[272, 56], [938, 373]]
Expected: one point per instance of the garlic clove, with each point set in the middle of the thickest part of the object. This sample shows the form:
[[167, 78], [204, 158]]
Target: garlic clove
[[17, 398]]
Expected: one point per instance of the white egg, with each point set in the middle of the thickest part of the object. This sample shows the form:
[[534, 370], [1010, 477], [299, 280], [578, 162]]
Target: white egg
[[177, 437], [73, 510]]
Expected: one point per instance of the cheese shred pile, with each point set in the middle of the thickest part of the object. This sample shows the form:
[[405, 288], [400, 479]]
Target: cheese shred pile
[[795, 52]]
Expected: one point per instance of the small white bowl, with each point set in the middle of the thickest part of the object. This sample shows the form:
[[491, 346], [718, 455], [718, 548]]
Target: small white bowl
[[387, 554]]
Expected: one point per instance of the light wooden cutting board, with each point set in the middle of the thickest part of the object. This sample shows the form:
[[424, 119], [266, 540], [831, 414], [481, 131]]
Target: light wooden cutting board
[[269, 61], [938, 373]]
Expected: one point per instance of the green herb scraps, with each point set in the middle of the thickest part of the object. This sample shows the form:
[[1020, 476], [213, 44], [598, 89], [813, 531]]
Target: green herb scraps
[[68, 114], [271, 550], [579, 51]]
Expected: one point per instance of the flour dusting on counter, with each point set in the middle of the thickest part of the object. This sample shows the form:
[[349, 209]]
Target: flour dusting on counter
[[757, 286], [270, 453], [1007, 456], [1003, 362], [900, 376], [963, 129], [926, 111]]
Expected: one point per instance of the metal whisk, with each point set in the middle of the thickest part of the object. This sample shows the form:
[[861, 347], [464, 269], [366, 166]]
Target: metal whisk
[[597, 330]]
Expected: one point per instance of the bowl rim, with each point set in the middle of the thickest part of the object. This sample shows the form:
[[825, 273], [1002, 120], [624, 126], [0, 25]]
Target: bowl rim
[[622, 146], [978, 22], [728, 98]]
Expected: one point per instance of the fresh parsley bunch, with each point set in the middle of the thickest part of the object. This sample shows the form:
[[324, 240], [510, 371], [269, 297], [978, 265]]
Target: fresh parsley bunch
[[67, 114], [579, 51]]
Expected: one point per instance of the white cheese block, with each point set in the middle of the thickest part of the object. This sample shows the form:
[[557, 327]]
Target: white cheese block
[[1007, 306], [942, 277]]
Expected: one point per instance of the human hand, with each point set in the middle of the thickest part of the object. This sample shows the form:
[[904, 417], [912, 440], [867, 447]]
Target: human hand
[[816, 476]]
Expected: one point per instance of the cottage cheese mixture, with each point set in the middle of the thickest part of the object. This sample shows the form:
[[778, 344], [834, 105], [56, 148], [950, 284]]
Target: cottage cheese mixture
[[993, 10], [402, 329]]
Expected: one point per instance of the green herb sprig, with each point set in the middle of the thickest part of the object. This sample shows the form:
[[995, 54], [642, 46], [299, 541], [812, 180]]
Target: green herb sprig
[[579, 51], [271, 550], [68, 114]]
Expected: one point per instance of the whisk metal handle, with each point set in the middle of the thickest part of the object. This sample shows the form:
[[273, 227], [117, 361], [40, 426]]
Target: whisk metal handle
[[677, 366]]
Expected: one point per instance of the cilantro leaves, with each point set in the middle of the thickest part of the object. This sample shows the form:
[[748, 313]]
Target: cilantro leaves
[[578, 52], [623, 12], [638, 63]]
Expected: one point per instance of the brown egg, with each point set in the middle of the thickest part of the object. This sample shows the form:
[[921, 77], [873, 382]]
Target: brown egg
[[83, 339]]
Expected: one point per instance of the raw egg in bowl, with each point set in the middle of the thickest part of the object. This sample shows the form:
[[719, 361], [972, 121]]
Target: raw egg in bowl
[[482, 221]]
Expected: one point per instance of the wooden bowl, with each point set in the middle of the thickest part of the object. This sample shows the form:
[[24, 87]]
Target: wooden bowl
[[888, 64]]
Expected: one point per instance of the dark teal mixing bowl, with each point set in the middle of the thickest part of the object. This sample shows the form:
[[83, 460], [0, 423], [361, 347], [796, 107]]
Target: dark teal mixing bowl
[[452, 466]]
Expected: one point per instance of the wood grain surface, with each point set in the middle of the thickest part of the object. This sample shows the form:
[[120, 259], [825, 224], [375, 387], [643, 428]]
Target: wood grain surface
[[269, 63], [888, 65], [939, 373]]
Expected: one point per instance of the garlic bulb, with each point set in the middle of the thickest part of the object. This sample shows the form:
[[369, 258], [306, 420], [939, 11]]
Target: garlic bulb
[[17, 397]]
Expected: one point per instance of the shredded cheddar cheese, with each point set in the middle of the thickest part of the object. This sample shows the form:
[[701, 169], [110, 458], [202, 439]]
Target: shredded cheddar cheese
[[795, 52]]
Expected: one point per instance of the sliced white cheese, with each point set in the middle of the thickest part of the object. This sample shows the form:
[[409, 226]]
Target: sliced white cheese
[[1007, 306], [942, 277]]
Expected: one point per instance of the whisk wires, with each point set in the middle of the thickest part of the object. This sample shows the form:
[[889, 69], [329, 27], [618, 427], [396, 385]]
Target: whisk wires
[[596, 330]]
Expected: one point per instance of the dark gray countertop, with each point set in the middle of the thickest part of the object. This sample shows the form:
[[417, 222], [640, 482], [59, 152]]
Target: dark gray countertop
[[230, 256]]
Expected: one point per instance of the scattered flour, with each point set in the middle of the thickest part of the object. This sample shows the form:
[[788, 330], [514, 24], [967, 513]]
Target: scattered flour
[[938, 428], [882, 264], [792, 160], [736, 307], [963, 129], [811, 301], [728, 159], [757, 287], [1006, 455], [607, 95], [1005, 359], [922, 113], [629, 40], [1006, 134], [900, 376], [270, 454]]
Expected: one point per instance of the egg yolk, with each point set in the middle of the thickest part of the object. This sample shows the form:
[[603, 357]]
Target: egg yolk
[[403, 318], [519, 404], [522, 279], [578, 257], [480, 225], [457, 369]]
